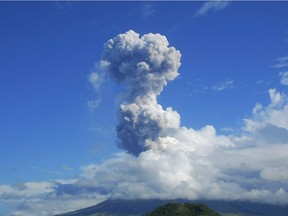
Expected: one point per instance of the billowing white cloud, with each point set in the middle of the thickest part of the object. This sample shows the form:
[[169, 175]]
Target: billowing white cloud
[[198, 165], [215, 5], [275, 115], [172, 161], [284, 77]]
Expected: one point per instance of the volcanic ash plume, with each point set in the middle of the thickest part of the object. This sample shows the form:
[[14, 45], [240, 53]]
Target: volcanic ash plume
[[145, 65]]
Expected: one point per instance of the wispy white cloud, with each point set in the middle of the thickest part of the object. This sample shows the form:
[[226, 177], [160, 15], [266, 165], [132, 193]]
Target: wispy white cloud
[[147, 10], [281, 62], [93, 104], [223, 85], [284, 77], [96, 80], [227, 130], [68, 168], [214, 6], [201, 86], [63, 7]]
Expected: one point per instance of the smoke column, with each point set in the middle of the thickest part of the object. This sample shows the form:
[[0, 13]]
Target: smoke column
[[145, 65]]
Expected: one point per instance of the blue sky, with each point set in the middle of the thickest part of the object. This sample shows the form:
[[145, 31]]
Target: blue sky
[[53, 123]]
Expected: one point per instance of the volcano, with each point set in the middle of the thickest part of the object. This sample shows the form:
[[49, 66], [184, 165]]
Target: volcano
[[142, 207]]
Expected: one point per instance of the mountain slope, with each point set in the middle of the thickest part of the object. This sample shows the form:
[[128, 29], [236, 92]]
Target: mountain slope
[[183, 209], [141, 207], [119, 208]]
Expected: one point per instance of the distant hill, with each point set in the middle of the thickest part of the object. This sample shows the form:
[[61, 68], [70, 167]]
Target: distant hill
[[183, 209], [119, 208], [142, 207]]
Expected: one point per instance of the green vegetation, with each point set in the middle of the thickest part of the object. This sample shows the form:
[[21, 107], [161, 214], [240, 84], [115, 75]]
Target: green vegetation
[[183, 209]]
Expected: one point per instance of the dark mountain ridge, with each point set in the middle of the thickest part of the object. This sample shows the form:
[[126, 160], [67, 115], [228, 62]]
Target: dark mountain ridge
[[142, 207]]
